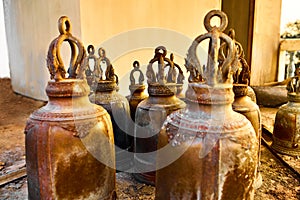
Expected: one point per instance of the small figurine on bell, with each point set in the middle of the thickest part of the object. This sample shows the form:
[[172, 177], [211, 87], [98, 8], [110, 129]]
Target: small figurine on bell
[[69, 142], [286, 134], [117, 106], [151, 113], [207, 150]]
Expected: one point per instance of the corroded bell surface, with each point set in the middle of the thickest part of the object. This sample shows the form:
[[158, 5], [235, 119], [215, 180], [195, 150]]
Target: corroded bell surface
[[136, 89], [243, 104], [151, 113], [286, 134], [69, 142], [117, 106], [207, 151]]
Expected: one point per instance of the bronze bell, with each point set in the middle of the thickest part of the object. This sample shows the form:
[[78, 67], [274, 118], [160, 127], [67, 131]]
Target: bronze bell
[[286, 135], [69, 142], [152, 112], [136, 89], [243, 104], [117, 106], [207, 150]]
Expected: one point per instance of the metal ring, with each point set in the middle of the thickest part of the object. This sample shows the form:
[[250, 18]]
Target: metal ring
[[64, 25], [161, 48], [223, 20], [91, 49], [136, 64]]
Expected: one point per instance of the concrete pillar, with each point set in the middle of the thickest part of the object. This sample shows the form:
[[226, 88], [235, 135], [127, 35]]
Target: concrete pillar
[[30, 27]]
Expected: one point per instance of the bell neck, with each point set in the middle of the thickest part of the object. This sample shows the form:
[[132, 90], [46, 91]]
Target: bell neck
[[67, 92], [204, 94], [106, 86], [240, 90], [209, 102], [137, 90], [161, 90], [293, 97]]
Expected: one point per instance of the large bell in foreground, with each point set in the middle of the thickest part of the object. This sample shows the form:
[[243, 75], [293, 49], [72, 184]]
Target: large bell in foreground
[[69, 142], [152, 112], [207, 151], [286, 134], [105, 94]]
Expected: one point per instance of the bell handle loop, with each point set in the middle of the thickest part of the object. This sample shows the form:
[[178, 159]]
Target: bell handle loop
[[91, 56], [109, 72], [54, 60], [210, 74], [223, 20], [159, 49], [136, 68], [64, 25], [91, 50], [160, 53]]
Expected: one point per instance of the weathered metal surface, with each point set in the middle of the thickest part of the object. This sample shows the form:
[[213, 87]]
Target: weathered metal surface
[[242, 103], [286, 135], [67, 138], [214, 150], [152, 112], [105, 94]]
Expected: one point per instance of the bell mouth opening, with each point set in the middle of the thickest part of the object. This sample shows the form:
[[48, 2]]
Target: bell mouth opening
[[105, 86], [156, 89], [240, 90], [67, 88], [205, 94]]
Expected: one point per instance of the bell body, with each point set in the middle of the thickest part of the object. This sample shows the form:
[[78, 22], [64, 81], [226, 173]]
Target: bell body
[[244, 105], [286, 134], [70, 146], [118, 108], [213, 151], [150, 115], [136, 96]]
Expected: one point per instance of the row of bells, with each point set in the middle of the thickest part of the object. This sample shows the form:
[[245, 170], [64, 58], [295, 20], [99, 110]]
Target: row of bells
[[202, 147]]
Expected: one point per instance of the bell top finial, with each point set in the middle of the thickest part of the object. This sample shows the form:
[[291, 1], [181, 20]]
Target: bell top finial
[[54, 61], [109, 72], [160, 58], [213, 72], [163, 63], [136, 68], [239, 66]]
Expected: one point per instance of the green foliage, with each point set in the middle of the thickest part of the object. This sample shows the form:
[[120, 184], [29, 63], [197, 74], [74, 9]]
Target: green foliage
[[292, 30]]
